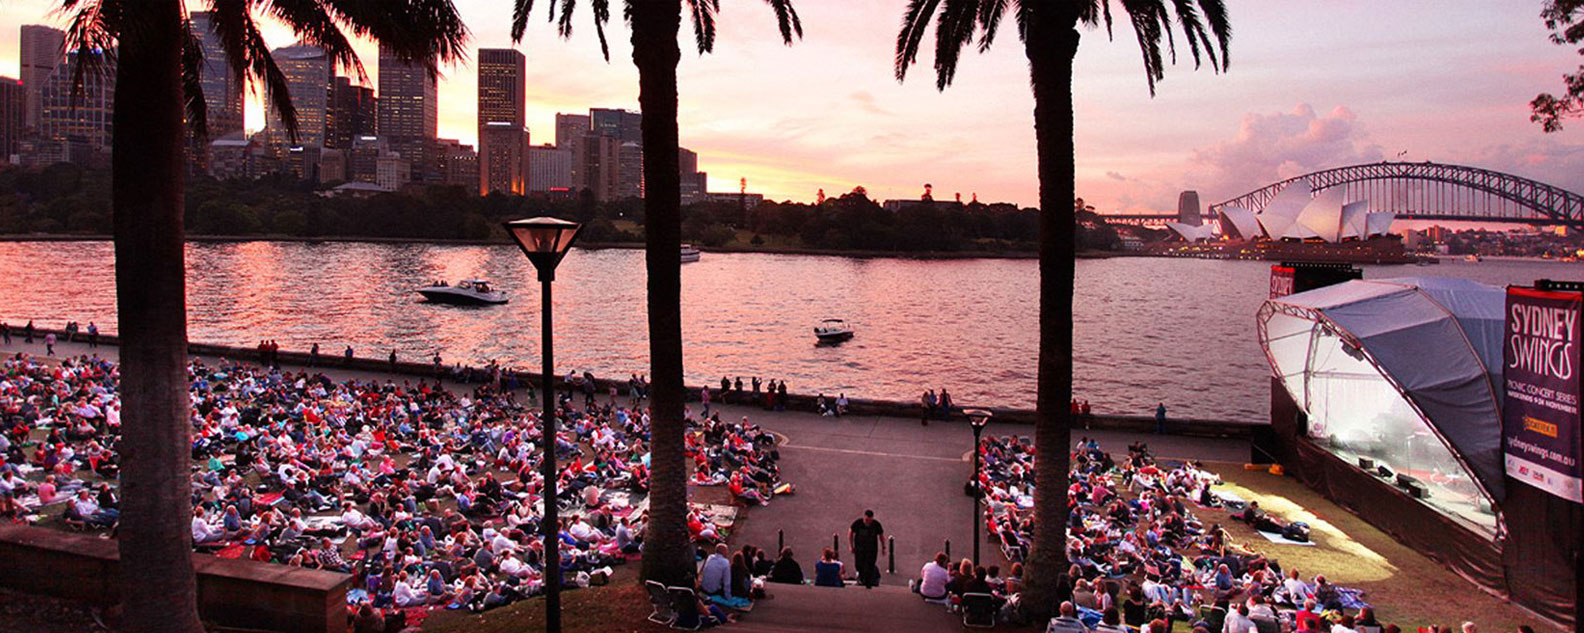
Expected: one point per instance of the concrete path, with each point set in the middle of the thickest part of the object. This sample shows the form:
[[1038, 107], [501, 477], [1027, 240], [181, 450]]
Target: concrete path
[[853, 609]]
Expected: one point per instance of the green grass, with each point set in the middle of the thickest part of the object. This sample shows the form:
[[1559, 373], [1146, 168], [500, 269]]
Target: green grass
[[619, 607], [1404, 586]]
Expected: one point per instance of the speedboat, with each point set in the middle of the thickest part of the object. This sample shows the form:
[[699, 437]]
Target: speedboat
[[466, 292], [833, 331], [690, 253]]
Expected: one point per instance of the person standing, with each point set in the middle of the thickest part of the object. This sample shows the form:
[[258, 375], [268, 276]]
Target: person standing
[[393, 361], [93, 335], [704, 397], [27, 333], [1085, 412], [737, 395], [945, 404], [725, 389], [49, 344], [866, 538], [5, 331], [1160, 419], [313, 355], [928, 402], [348, 355], [781, 396]]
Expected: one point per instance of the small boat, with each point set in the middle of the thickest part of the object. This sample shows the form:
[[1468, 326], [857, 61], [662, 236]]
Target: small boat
[[833, 331], [1473, 258], [690, 253], [466, 292]]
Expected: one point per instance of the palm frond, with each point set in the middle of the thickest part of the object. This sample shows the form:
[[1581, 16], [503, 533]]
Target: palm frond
[[601, 18], [1147, 29], [91, 33], [703, 13], [521, 10], [250, 58], [915, 21], [192, 61], [314, 23], [787, 19], [1215, 15], [990, 12], [425, 32], [954, 30], [565, 25]]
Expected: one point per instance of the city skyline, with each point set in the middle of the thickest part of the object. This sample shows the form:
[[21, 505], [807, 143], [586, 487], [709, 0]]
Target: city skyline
[[1309, 87]]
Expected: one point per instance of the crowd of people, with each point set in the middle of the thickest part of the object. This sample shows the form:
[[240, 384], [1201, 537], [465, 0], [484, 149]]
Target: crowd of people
[[426, 496], [1140, 558]]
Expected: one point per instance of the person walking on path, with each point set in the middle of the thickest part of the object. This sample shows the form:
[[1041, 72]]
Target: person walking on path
[[704, 397], [27, 333], [49, 344], [5, 331], [725, 390], [866, 538], [1160, 419]]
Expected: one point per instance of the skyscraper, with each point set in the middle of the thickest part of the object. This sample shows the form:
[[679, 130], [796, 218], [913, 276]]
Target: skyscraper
[[409, 113], [351, 114], [502, 121], [602, 166], [85, 120], [570, 131], [549, 168], [622, 125], [222, 92], [13, 100], [41, 52], [307, 72]]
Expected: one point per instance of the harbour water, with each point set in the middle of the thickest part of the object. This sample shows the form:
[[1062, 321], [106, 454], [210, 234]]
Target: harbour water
[[1147, 330]]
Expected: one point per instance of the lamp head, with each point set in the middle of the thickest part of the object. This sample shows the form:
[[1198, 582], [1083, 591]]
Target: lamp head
[[979, 418], [545, 241]]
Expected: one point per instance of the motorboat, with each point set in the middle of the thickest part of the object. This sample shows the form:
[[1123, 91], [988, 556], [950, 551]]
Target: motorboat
[[833, 331], [690, 253], [465, 292]]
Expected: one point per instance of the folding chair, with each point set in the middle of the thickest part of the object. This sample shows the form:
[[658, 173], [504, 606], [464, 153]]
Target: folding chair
[[1266, 625], [660, 600], [684, 603], [978, 610]]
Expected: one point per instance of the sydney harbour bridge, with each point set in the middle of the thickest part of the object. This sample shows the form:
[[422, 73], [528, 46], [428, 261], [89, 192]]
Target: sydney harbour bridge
[[1421, 191]]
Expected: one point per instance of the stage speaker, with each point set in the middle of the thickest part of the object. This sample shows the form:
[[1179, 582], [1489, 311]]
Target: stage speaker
[[1367, 464], [1406, 480], [1417, 490], [1383, 472]]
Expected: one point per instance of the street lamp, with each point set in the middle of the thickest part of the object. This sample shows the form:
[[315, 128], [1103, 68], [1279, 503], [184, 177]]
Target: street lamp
[[978, 419], [545, 241]]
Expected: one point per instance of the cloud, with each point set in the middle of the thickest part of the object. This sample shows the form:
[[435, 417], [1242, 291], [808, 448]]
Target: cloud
[[1116, 176], [1544, 159], [1273, 147]]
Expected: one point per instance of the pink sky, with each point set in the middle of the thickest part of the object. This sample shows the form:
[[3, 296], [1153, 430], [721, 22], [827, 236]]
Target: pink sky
[[1312, 85]]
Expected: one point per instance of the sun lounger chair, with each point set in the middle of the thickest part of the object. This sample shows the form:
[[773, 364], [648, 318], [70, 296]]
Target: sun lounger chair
[[660, 600], [978, 610]]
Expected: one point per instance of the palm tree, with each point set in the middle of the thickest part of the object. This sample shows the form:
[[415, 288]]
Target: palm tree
[[157, 61], [1049, 31], [655, 26]]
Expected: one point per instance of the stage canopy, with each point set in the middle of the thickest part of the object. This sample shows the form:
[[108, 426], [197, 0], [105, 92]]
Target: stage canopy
[[1402, 372]]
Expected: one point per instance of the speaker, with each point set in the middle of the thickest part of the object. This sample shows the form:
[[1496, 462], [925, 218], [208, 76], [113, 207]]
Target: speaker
[[1417, 490], [1405, 480], [1366, 463], [1383, 472]]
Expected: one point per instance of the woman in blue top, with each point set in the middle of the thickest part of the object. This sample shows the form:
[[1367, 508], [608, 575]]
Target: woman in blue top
[[828, 571]]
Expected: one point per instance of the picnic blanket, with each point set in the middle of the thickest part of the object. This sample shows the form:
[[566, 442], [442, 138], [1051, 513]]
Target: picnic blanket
[[1277, 538]]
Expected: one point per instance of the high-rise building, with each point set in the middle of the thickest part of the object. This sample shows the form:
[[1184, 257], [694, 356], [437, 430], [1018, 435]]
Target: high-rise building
[[619, 124], [308, 73], [409, 114], [694, 183], [602, 166], [629, 176], [456, 164], [570, 131], [351, 113], [363, 160], [41, 53], [503, 163], [13, 107], [549, 168], [221, 90], [85, 119], [502, 121]]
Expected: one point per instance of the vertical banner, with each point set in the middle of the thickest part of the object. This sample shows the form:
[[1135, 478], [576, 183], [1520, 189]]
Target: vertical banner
[[1540, 414], [1283, 281]]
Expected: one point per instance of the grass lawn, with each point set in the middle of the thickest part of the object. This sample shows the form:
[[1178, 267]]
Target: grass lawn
[[620, 607], [1404, 586]]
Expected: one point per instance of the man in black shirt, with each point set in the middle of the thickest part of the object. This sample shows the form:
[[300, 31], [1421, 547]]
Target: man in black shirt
[[867, 539]]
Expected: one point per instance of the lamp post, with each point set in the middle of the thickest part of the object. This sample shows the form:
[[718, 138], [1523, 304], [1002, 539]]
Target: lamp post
[[545, 241], [978, 419]]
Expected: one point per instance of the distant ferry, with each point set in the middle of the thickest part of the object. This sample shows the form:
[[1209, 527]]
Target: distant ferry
[[466, 292], [690, 253]]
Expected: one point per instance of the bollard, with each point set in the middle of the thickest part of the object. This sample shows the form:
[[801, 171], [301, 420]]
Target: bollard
[[836, 544], [891, 555], [780, 541], [948, 549]]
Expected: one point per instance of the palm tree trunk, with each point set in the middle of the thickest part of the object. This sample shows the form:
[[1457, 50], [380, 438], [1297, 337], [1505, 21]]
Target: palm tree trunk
[[158, 589], [667, 555], [1050, 46]]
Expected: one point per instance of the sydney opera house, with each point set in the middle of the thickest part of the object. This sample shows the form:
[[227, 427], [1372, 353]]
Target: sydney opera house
[[1297, 224]]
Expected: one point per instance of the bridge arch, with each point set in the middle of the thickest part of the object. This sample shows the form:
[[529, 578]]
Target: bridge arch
[[1436, 191]]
